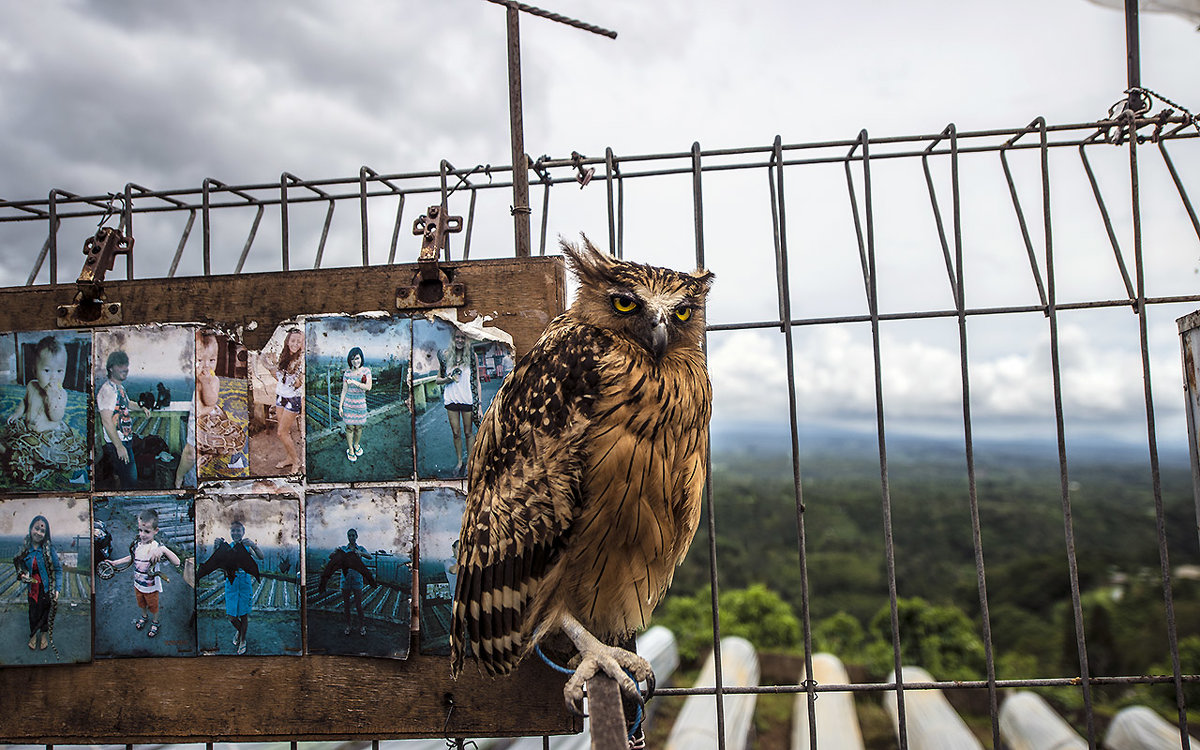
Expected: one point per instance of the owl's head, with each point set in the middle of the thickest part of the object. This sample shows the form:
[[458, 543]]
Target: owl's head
[[658, 308]]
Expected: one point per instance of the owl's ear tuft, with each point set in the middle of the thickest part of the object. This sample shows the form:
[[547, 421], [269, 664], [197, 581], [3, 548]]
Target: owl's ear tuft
[[703, 278], [586, 261]]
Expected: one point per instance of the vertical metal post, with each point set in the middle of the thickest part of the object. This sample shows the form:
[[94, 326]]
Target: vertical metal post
[[520, 206], [1160, 523], [1133, 55]]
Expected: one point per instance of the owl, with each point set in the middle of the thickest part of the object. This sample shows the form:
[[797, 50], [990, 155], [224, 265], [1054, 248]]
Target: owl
[[586, 477]]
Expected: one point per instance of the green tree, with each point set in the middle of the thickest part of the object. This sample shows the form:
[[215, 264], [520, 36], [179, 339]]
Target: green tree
[[841, 635], [689, 618], [940, 639], [759, 615]]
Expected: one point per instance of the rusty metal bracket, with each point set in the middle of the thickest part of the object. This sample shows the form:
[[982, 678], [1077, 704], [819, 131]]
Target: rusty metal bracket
[[90, 306], [433, 286]]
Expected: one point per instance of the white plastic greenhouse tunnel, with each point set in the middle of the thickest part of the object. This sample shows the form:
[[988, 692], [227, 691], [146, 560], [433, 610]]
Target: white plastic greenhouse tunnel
[[1027, 722], [695, 727], [1140, 728], [931, 722], [836, 719]]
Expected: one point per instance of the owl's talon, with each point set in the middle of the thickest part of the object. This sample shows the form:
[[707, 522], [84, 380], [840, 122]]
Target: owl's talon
[[648, 693], [615, 662]]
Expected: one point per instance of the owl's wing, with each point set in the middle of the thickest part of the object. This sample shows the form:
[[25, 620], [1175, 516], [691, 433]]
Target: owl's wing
[[523, 492]]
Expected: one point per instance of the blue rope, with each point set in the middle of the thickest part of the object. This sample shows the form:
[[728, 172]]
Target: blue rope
[[552, 665], [637, 721]]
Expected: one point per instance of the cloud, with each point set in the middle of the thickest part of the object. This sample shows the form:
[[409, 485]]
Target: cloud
[[922, 381]]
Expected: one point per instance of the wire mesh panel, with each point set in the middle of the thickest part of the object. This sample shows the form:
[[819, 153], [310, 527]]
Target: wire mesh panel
[[953, 297]]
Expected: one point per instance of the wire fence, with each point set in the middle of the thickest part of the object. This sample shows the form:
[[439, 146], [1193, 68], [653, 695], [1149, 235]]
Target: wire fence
[[1137, 238]]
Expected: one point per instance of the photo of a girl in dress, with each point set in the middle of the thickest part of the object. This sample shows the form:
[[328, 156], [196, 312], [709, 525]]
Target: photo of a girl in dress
[[47, 557], [352, 406], [357, 417]]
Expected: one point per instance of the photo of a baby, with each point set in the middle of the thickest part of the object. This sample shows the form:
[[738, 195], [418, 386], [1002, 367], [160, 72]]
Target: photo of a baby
[[222, 406], [43, 400]]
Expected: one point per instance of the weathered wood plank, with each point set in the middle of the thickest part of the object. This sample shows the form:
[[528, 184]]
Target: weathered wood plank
[[256, 698], [519, 296]]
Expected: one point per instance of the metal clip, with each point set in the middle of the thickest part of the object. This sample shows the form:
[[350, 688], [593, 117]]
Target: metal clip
[[432, 285], [583, 176], [90, 308]]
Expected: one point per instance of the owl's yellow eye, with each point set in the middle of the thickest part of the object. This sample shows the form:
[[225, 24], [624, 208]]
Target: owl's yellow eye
[[624, 304], [683, 313]]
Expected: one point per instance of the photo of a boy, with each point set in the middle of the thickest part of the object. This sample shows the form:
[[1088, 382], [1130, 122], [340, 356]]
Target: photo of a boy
[[159, 564], [359, 552], [145, 553], [247, 578]]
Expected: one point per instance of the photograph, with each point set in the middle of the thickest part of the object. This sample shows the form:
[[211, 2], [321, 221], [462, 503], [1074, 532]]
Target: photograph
[[457, 370], [44, 435], [222, 406], [145, 595], [46, 592], [248, 569], [277, 404], [356, 392], [441, 520], [1189, 333], [144, 380], [358, 573]]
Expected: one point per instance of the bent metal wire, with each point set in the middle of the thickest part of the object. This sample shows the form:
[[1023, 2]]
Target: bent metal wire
[[1133, 131]]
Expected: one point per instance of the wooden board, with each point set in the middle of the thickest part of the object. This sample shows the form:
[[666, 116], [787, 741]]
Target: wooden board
[[520, 296], [278, 698], [225, 698]]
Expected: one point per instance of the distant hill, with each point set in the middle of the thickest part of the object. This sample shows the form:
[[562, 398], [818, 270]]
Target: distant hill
[[1021, 528], [773, 439]]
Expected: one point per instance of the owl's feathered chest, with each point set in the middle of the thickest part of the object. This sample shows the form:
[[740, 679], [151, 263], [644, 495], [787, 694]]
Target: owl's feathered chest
[[639, 487]]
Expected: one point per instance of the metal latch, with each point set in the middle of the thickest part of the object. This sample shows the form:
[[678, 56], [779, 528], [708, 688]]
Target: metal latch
[[432, 285], [90, 308]]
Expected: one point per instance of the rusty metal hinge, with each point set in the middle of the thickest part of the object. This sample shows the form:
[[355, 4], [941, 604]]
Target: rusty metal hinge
[[90, 306], [432, 285]]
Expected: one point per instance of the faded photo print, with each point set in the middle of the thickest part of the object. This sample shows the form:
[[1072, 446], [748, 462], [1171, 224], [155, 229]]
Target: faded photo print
[[359, 571], [441, 520], [248, 569], [358, 423], [145, 600], [144, 381], [456, 373], [44, 436], [45, 581], [222, 406], [277, 404]]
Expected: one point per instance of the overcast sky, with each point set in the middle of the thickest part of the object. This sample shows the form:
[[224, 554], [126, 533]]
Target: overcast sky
[[94, 95]]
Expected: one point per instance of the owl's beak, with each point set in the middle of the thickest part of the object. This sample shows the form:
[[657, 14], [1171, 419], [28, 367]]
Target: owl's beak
[[658, 338]]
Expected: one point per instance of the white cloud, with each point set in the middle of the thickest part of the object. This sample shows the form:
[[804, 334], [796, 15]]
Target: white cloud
[[922, 381]]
